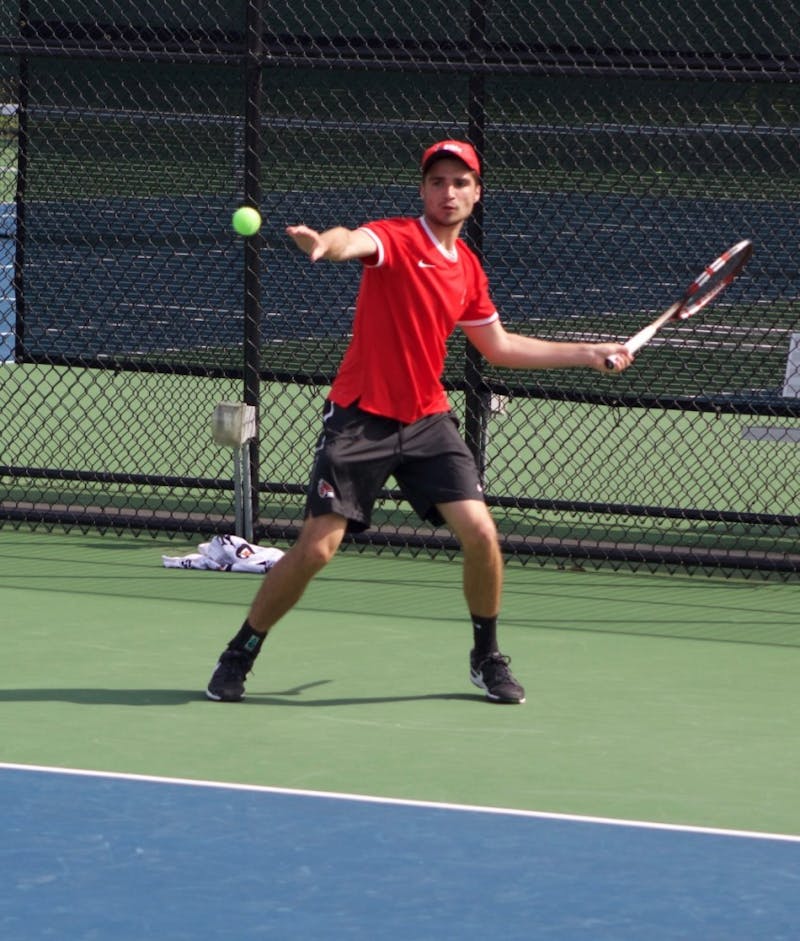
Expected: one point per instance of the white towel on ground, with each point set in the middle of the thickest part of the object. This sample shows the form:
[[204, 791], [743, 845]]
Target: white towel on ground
[[226, 554]]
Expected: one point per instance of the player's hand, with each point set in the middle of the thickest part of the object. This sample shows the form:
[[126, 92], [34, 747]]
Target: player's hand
[[308, 240], [612, 357]]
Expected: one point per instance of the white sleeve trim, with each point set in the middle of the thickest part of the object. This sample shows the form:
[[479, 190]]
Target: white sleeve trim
[[483, 322], [378, 247]]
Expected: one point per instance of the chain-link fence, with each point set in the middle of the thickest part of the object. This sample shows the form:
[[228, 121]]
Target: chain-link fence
[[624, 146]]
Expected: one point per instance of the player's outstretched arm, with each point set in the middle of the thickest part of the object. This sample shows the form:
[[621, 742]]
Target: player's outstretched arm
[[336, 244], [516, 351]]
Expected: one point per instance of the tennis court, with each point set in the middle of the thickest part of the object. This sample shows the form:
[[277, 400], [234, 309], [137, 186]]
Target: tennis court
[[364, 787]]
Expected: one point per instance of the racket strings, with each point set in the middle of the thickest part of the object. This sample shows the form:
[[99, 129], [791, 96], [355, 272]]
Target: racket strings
[[717, 276]]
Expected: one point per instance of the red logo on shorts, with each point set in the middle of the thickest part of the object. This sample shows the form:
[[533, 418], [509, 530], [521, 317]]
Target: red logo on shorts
[[325, 490]]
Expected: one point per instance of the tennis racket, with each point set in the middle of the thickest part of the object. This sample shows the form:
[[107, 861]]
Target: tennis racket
[[701, 291]]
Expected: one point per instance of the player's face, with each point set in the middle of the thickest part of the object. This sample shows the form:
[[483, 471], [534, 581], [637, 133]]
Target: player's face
[[449, 192]]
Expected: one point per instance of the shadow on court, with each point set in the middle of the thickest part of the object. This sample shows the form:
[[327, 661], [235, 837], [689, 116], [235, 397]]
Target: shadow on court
[[181, 697]]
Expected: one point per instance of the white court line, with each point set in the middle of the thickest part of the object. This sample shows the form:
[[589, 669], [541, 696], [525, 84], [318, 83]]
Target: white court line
[[402, 802]]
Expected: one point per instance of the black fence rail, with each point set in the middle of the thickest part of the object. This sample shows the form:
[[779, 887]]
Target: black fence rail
[[622, 151]]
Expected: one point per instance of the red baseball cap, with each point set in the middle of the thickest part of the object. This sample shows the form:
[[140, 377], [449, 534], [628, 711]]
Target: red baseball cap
[[452, 148]]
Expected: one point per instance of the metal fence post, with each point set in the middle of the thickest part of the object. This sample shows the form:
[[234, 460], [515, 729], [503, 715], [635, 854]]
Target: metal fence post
[[253, 246], [476, 399]]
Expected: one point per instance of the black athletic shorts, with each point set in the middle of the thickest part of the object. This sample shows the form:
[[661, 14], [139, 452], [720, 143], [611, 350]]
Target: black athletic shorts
[[357, 452]]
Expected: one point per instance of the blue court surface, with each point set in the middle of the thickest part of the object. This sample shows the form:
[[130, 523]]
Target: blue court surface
[[125, 858]]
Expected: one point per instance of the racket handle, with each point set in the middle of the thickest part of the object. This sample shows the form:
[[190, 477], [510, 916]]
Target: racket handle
[[632, 346], [638, 340]]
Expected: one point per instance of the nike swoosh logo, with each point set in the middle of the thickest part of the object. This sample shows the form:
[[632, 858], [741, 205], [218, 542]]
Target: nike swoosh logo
[[424, 264]]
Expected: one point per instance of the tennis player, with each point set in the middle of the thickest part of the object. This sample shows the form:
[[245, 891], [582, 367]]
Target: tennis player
[[387, 413]]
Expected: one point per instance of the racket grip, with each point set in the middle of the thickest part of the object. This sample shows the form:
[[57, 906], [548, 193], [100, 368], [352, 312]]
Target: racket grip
[[632, 346]]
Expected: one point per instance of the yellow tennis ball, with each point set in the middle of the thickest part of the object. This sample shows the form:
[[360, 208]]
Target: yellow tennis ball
[[246, 220]]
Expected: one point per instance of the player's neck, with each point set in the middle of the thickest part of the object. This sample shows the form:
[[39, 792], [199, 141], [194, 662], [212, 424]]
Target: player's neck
[[446, 235]]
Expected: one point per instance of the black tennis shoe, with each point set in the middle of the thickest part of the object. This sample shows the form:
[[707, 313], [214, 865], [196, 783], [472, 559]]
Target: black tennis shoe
[[227, 680], [494, 677]]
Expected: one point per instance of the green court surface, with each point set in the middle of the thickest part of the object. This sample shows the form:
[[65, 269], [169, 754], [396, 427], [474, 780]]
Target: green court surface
[[650, 697]]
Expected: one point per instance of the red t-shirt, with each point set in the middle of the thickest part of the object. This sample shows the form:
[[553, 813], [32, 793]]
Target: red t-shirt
[[413, 294]]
